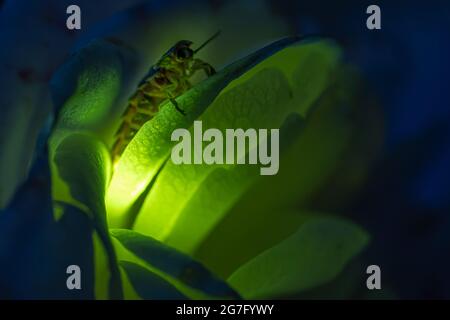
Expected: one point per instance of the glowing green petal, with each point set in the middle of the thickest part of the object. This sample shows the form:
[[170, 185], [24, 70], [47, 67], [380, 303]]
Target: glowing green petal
[[262, 98], [151, 145], [313, 255], [177, 269]]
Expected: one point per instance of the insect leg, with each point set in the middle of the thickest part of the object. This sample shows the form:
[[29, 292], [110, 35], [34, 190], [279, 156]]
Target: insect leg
[[175, 103], [171, 92], [202, 65]]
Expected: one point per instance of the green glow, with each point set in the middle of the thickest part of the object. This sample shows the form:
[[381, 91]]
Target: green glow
[[205, 192], [304, 168], [244, 229], [307, 67], [127, 183], [261, 98], [151, 146]]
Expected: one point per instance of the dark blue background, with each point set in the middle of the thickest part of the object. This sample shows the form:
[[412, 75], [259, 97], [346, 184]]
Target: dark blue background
[[406, 203]]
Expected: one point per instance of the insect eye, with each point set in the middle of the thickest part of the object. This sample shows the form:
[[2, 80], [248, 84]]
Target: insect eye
[[184, 53]]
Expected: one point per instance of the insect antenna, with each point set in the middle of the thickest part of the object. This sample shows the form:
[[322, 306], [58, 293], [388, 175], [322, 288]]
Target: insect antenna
[[215, 35]]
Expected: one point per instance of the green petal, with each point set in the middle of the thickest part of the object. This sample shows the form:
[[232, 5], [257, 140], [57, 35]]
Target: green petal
[[247, 227], [83, 163], [262, 98], [173, 266], [151, 146], [148, 285], [312, 256]]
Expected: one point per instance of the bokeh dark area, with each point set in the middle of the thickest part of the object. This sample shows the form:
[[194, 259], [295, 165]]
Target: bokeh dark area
[[404, 203]]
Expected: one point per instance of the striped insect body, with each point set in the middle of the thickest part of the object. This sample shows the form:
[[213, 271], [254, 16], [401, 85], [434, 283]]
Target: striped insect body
[[168, 79]]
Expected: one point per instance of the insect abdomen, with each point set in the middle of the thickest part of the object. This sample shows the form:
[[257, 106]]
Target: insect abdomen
[[141, 108], [144, 105]]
